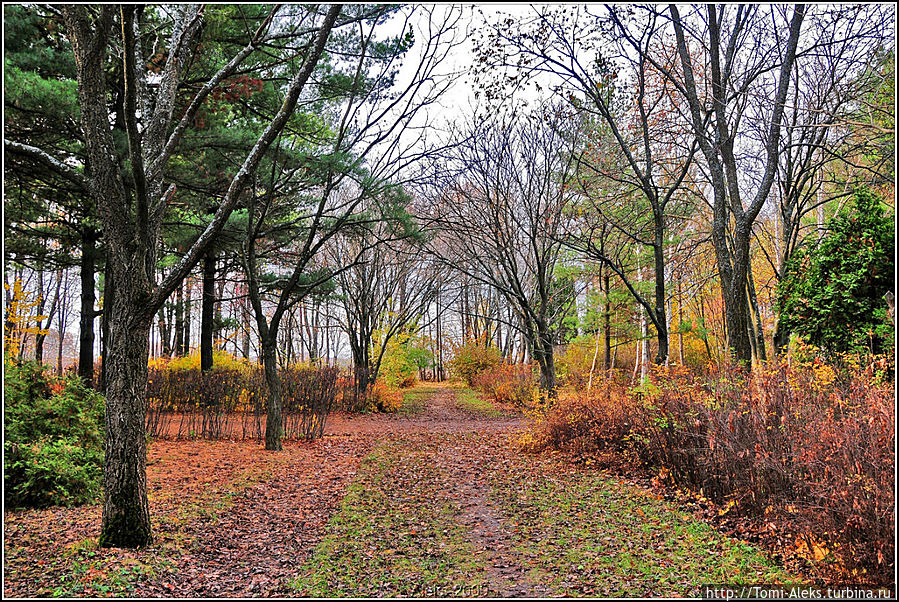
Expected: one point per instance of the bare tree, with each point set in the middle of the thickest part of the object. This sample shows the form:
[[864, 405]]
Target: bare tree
[[588, 70], [390, 288], [502, 215], [727, 55]]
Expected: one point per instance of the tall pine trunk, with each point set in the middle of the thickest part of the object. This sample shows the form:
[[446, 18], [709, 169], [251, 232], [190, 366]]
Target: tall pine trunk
[[126, 514]]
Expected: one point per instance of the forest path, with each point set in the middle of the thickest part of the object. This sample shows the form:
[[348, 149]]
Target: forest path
[[435, 501], [270, 529], [430, 471]]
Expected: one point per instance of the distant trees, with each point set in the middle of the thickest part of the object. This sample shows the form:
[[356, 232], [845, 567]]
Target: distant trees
[[383, 293], [629, 142], [47, 215]]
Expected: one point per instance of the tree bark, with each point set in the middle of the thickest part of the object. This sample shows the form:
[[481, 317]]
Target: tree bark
[[108, 300], [274, 419], [661, 318], [188, 308], [607, 317], [207, 312], [126, 513], [178, 344]]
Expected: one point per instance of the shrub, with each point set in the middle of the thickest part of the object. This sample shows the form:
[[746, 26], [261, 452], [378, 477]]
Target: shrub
[[508, 383], [397, 368], [384, 398], [404, 356], [471, 359], [230, 400], [808, 445], [832, 294], [574, 365], [53, 449]]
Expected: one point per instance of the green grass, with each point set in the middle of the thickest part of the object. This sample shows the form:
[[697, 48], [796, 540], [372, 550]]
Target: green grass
[[586, 534], [471, 400], [94, 576], [394, 533], [416, 398]]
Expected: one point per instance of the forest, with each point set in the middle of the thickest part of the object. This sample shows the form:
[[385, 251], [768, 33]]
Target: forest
[[448, 300]]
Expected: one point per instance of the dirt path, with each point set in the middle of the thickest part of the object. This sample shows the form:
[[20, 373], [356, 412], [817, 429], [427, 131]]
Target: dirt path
[[273, 526], [440, 414]]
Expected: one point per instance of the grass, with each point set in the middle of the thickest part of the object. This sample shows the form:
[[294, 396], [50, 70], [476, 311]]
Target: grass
[[398, 531], [415, 399], [471, 400], [394, 534], [94, 577], [586, 534]]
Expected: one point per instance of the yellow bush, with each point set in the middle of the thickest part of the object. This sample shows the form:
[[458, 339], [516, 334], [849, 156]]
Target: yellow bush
[[384, 398]]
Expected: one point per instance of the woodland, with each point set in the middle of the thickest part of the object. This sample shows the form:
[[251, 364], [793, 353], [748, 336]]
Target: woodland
[[448, 300]]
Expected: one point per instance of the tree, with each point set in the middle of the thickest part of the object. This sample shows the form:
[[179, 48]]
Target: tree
[[737, 67], [383, 294], [833, 294], [501, 216], [824, 139], [351, 180], [45, 215], [129, 190], [652, 151]]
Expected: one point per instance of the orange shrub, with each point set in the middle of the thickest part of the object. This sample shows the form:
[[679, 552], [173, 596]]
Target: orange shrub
[[809, 445], [507, 383], [384, 398]]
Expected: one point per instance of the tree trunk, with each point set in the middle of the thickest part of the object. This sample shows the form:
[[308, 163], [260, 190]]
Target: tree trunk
[[208, 311], [163, 326], [109, 294], [660, 313], [38, 336], [179, 321], [188, 291], [756, 314], [63, 318], [736, 300], [245, 314], [273, 423], [543, 354], [607, 356], [644, 345], [126, 514]]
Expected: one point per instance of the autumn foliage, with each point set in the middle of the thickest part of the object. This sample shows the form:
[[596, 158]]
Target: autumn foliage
[[508, 383], [807, 447]]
